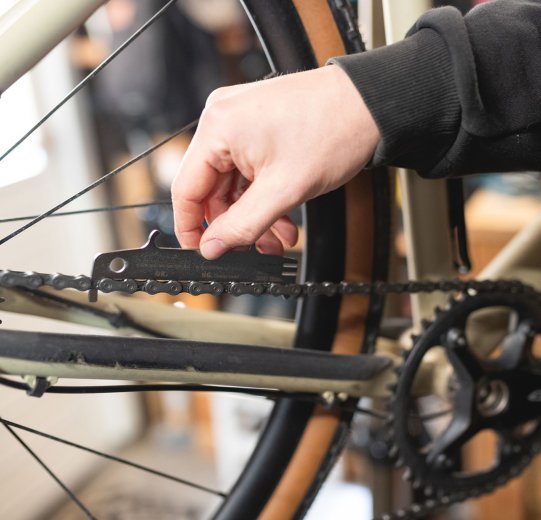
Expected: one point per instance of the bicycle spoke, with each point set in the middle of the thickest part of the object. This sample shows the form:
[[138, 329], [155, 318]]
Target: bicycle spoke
[[383, 416], [91, 210], [434, 415], [91, 75], [9, 427], [367, 411], [100, 181]]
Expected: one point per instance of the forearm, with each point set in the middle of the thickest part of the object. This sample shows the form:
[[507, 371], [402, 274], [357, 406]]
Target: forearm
[[459, 95]]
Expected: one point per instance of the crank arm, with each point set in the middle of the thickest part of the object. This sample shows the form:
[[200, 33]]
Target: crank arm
[[116, 357]]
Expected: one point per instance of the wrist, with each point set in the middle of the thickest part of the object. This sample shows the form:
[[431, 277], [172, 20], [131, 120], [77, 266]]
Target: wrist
[[410, 91], [364, 132]]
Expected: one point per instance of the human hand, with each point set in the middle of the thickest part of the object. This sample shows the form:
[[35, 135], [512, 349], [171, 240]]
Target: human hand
[[264, 148]]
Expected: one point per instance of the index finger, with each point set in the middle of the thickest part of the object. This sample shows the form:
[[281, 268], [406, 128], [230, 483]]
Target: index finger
[[191, 186]]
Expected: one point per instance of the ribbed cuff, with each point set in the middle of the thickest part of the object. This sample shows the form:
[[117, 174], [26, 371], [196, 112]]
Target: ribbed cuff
[[410, 91]]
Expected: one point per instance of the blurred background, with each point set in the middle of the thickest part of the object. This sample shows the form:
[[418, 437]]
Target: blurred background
[[156, 86]]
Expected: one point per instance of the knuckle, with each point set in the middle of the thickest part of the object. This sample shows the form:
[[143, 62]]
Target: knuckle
[[214, 115], [217, 95]]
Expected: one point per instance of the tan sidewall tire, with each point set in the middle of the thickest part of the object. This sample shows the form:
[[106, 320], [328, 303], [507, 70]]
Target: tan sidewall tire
[[323, 426]]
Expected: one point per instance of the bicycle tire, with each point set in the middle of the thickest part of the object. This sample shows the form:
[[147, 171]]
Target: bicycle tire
[[301, 442]]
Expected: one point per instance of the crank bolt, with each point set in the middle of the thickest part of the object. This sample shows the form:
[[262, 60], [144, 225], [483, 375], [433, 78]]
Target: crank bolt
[[492, 397]]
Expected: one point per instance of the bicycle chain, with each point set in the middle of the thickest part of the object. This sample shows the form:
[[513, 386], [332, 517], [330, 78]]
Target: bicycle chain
[[82, 283]]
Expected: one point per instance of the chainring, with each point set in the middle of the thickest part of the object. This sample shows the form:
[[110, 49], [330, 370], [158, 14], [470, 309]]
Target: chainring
[[488, 393]]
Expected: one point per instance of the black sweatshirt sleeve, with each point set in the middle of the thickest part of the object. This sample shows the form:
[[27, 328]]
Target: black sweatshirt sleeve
[[458, 95]]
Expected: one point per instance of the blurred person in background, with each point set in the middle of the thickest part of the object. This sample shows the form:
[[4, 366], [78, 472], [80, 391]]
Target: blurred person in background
[[156, 86]]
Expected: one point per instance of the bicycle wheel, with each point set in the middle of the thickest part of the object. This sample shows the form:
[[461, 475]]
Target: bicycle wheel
[[346, 238]]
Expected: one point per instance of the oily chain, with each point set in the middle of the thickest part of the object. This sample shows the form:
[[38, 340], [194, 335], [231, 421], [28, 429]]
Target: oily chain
[[33, 280]]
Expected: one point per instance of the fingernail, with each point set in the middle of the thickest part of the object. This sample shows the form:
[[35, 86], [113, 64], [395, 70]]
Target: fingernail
[[269, 248], [213, 248]]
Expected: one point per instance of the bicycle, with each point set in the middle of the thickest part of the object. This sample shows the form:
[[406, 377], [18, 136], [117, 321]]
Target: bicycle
[[315, 392]]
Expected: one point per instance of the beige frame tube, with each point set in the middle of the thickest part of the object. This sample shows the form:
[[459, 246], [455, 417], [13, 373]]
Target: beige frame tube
[[424, 202], [31, 28]]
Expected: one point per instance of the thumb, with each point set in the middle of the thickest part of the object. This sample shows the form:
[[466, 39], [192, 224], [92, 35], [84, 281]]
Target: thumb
[[259, 207]]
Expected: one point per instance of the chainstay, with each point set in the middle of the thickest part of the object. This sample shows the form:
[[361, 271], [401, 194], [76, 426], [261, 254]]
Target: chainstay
[[82, 283]]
